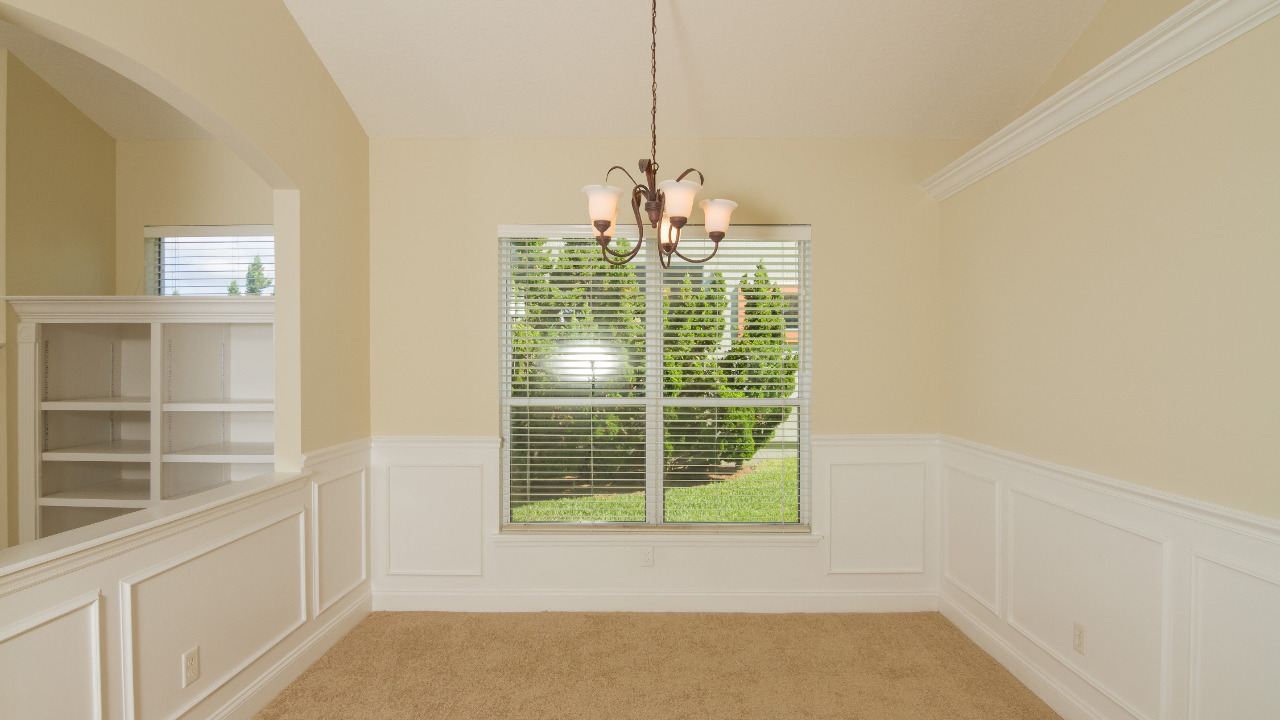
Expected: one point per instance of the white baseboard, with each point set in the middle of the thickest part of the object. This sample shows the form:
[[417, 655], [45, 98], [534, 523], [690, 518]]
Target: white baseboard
[[270, 683], [1062, 700], [746, 602]]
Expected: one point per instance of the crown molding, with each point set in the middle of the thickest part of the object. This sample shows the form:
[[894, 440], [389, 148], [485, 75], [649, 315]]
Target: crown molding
[[1191, 33]]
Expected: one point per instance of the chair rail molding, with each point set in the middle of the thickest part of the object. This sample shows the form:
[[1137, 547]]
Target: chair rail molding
[[1191, 33]]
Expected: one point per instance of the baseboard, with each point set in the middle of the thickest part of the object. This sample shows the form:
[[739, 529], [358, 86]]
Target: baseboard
[[1057, 697], [261, 691], [563, 601]]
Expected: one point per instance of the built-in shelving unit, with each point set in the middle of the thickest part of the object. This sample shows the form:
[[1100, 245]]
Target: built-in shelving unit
[[126, 402]]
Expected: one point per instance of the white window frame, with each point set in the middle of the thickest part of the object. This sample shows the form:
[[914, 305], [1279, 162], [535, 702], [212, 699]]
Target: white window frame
[[654, 391]]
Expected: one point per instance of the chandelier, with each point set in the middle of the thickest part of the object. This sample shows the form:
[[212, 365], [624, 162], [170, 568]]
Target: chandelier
[[668, 204]]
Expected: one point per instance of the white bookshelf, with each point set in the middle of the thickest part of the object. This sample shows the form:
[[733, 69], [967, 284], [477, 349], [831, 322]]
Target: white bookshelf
[[126, 402]]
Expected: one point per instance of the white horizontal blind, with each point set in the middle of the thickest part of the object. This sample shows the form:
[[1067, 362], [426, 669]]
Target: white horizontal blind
[[633, 395], [210, 260]]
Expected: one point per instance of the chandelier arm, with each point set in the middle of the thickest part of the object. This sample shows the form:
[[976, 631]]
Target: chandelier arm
[[624, 172], [701, 179], [676, 250], [606, 251]]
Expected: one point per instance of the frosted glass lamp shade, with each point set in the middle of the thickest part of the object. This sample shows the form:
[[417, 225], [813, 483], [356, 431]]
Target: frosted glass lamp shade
[[679, 196], [602, 202], [716, 213]]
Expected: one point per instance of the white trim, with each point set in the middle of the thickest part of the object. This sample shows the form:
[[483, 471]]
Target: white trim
[[870, 440], [944, 539], [1199, 555], [92, 600], [1238, 521], [648, 538], [653, 601], [1081, 669], [1188, 35], [1062, 700], [155, 232], [318, 605], [436, 442], [261, 691], [127, 636], [627, 231], [207, 507], [924, 519], [143, 309], [329, 454], [388, 569]]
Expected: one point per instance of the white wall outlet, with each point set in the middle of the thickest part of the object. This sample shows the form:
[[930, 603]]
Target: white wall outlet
[[646, 557], [190, 666], [1077, 638]]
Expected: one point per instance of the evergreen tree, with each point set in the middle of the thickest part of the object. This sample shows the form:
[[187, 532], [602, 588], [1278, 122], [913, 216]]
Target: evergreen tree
[[233, 288], [569, 297], [255, 280]]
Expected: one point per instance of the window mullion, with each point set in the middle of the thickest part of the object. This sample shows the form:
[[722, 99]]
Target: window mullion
[[653, 384]]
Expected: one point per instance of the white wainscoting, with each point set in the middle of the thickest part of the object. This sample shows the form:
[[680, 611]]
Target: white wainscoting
[[437, 545], [1179, 600], [262, 575], [63, 642]]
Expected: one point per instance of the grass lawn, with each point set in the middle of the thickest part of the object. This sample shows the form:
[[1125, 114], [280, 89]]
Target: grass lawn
[[765, 492]]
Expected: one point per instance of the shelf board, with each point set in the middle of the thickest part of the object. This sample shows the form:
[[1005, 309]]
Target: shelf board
[[225, 453], [118, 493], [113, 451], [264, 405], [110, 403]]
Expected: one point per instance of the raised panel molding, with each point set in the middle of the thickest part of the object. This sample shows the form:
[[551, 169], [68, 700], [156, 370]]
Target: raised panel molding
[[878, 517], [949, 512], [435, 519], [129, 589], [1247, 673], [1082, 666], [323, 551], [57, 680]]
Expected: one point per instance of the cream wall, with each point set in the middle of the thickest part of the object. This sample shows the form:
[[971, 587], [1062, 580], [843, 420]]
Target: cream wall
[[60, 213], [437, 204], [60, 194], [1110, 301], [1119, 23], [179, 182], [244, 71]]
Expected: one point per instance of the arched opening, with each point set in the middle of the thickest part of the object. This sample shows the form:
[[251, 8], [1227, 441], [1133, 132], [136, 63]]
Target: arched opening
[[142, 151]]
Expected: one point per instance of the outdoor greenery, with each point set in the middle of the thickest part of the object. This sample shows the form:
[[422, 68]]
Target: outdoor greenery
[[766, 492], [255, 279], [721, 340]]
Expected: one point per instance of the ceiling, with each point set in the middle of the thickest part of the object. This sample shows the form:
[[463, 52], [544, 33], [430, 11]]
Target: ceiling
[[726, 68], [116, 104]]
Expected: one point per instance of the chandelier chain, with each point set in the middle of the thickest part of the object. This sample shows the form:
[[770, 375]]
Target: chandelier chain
[[653, 69]]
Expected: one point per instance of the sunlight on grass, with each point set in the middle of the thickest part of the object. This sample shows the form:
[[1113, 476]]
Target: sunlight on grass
[[767, 493]]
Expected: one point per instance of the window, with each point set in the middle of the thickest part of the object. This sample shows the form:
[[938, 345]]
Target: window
[[210, 260], [634, 396]]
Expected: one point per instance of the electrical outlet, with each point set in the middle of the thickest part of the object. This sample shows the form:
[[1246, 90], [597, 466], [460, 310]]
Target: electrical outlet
[[1077, 638], [646, 557], [190, 666]]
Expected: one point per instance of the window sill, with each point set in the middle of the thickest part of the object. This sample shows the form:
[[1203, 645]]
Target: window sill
[[651, 538]]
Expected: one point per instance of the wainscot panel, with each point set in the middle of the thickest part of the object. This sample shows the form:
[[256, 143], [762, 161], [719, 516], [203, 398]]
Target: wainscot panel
[[438, 545], [1120, 602]]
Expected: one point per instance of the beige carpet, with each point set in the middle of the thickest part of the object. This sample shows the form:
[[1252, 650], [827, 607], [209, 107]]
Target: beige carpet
[[423, 666]]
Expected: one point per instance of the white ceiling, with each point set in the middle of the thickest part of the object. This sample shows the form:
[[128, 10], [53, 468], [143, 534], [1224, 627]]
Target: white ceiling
[[116, 104], [726, 68]]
